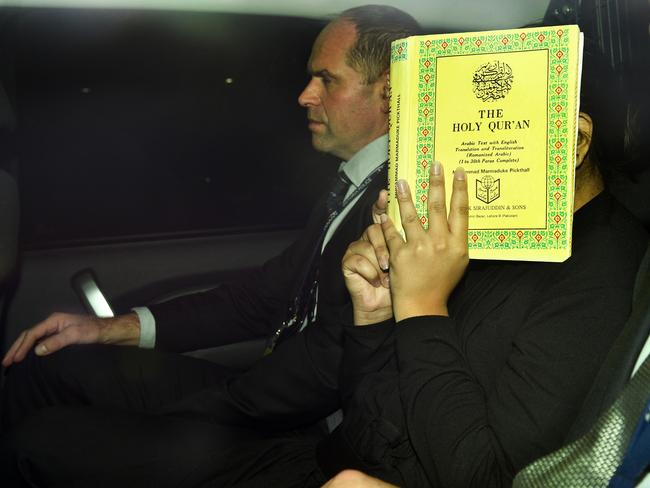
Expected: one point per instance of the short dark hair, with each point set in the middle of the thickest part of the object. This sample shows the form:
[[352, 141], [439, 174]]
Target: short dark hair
[[602, 97], [377, 26]]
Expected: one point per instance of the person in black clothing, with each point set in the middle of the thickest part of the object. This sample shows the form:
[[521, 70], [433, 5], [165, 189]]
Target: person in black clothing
[[346, 101], [491, 375]]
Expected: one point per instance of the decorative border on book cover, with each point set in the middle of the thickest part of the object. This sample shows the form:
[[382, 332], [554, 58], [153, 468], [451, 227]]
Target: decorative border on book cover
[[557, 43], [399, 50]]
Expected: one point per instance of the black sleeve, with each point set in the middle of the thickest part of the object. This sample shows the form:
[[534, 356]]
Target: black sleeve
[[366, 349], [472, 401], [465, 436], [248, 308], [254, 307]]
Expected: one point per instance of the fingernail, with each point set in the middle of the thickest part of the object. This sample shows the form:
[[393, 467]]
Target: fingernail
[[383, 263], [436, 169], [383, 218], [459, 174], [401, 187], [41, 350], [386, 281]]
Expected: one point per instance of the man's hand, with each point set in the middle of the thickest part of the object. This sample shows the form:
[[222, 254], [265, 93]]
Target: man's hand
[[60, 330], [379, 207], [426, 268], [350, 478], [365, 270]]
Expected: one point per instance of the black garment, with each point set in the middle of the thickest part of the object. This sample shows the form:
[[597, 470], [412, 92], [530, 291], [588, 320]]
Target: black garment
[[433, 401], [252, 307], [120, 441], [469, 400], [256, 304], [617, 368], [149, 382]]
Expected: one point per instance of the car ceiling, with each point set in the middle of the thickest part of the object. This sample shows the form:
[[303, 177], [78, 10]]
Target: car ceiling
[[441, 15]]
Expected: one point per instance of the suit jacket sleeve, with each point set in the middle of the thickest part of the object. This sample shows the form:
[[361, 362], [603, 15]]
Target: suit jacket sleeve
[[255, 305], [366, 350], [248, 308]]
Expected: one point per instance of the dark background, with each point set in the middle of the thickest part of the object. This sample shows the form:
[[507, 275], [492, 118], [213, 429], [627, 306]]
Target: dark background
[[142, 124], [127, 125]]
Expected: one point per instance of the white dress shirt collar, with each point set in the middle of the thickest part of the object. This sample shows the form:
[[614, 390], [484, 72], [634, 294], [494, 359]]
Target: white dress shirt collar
[[366, 160]]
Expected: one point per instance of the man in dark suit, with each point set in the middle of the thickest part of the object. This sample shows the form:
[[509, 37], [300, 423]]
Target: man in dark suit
[[347, 109]]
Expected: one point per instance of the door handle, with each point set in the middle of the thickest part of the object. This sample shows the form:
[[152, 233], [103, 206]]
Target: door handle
[[87, 289]]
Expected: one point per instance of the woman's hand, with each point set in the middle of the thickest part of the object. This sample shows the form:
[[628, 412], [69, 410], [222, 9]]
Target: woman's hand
[[426, 268]]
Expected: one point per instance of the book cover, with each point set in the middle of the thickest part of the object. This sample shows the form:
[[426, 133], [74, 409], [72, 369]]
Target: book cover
[[504, 106]]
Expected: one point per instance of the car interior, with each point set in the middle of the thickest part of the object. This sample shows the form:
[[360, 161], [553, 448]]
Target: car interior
[[154, 148]]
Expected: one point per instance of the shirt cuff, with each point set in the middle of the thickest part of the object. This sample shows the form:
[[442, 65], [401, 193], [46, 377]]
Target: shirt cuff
[[147, 327]]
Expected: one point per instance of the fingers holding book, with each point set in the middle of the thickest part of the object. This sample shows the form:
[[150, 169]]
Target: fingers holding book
[[426, 267], [380, 206]]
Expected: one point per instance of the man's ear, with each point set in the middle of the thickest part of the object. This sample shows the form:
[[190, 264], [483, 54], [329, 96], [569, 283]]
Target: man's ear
[[585, 132], [385, 91]]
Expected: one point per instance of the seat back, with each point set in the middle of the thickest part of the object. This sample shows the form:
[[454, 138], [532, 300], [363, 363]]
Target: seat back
[[627, 353], [596, 443]]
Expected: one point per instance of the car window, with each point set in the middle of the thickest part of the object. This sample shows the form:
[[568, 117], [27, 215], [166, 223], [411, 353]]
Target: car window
[[142, 123], [148, 123]]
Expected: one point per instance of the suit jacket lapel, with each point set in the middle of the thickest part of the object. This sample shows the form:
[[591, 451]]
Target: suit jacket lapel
[[350, 229]]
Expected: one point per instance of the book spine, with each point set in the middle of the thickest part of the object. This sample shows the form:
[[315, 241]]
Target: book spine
[[399, 122]]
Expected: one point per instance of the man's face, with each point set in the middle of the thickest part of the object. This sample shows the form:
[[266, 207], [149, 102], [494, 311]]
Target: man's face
[[344, 112]]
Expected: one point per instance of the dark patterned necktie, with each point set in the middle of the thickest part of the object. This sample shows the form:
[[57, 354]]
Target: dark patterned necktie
[[302, 307], [336, 195], [305, 302]]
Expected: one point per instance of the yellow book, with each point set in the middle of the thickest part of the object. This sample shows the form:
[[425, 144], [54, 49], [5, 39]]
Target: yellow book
[[504, 106]]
